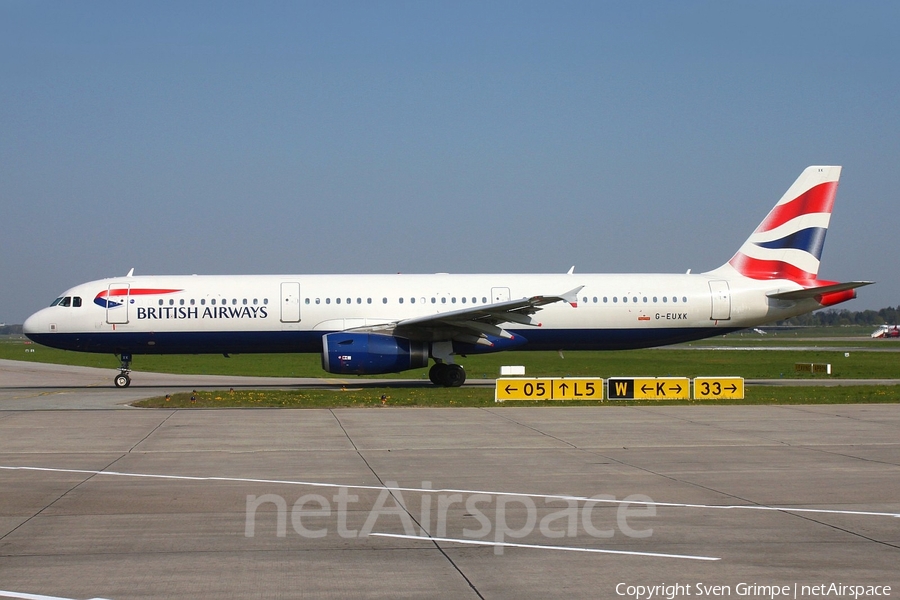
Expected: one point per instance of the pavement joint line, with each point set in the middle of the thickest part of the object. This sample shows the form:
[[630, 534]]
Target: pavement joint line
[[786, 509], [542, 547]]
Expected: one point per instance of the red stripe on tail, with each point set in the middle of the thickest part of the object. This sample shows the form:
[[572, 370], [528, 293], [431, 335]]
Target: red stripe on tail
[[819, 199]]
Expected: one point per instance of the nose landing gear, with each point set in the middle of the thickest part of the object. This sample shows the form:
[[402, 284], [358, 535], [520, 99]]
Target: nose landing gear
[[122, 380]]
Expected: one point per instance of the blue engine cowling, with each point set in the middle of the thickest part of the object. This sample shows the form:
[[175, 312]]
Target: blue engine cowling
[[371, 353]]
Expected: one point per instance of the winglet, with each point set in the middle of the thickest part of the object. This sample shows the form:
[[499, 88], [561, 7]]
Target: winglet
[[572, 296]]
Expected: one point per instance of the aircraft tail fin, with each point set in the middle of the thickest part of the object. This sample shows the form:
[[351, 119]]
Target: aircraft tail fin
[[788, 243]]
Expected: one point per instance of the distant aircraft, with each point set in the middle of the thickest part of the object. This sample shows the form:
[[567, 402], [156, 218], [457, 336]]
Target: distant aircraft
[[373, 324], [886, 331]]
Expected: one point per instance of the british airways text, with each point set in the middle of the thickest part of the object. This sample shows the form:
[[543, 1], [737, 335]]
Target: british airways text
[[210, 312]]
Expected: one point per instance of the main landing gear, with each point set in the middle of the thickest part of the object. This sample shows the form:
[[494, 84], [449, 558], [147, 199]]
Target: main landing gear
[[447, 375], [122, 380]]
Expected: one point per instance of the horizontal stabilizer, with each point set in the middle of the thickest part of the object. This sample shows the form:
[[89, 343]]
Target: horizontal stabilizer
[[818, 291]]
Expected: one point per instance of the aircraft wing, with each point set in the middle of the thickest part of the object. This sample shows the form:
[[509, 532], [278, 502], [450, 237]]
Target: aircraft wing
[[475, 324]]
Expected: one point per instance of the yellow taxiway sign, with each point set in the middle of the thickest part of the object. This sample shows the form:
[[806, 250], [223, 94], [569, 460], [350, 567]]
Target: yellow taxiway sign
[[649, 388], [716, 388], [548, 388]]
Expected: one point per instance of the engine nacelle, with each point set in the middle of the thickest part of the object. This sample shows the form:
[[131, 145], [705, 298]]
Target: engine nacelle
[[371, 353]]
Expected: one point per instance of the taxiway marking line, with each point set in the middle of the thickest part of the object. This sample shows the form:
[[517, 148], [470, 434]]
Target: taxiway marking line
[[541, 547], [457, 491]]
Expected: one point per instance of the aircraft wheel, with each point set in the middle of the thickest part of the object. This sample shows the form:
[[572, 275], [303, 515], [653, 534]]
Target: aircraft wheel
[[455, 376], [446, 375], [437, 374], [122, 380]]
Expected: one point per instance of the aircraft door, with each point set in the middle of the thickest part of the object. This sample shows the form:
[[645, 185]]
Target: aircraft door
[[720, 296], [290, 302], [499, 294], [118, 298]]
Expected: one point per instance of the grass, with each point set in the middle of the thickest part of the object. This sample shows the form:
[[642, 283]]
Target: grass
[[687, 361], [690, 360], [484, 397]]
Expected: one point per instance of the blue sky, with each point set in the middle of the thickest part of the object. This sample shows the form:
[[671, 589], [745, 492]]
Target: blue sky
[[370, 137]]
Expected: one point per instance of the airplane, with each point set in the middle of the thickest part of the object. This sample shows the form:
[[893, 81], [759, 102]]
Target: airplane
[[375, 324]]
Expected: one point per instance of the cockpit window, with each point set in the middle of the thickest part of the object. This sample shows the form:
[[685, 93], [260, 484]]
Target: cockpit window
[[74, 301]]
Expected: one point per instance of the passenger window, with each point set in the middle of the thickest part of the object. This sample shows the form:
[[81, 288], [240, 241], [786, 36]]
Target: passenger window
[[384, 300], [337, 300], [624, 298], [605, 299], [674, 298], [181, 302], [161, 302], [318, 301], [684, 299]]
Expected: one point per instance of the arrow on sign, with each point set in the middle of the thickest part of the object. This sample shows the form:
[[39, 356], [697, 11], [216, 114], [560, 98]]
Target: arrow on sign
[[510, 388]]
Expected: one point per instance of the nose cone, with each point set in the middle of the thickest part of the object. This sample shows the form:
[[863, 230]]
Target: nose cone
[[35, 324]]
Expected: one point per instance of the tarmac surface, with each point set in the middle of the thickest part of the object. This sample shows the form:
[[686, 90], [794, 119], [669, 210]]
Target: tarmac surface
[[100, 500]]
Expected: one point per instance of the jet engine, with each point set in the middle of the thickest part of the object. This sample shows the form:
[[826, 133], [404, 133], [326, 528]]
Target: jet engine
[[349, 353]]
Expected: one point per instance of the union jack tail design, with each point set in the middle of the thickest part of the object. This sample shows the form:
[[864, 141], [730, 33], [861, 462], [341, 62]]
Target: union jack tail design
[[788, 243]]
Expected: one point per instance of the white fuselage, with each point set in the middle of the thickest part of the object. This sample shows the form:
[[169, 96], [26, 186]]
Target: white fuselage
[[290, 313]]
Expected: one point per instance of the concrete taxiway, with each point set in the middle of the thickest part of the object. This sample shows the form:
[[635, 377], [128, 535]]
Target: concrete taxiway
[[578, 502]]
